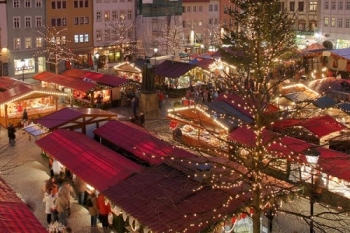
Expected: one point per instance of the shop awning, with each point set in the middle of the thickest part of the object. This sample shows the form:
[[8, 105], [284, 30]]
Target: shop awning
[[198, 117], [298, 97], [164, 200], [173, 69], [74, 83], [15, 215], [221, 107], [139, 142], [320, 126], [324, 102], [237, 102], [8, 83], [74, 118], [35, 130], [127, 67], [94, 163], [344, 107], [101, 78], [280, 145]]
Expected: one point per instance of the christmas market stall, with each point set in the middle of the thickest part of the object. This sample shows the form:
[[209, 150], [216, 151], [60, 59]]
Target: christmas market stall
[[102, 168], [83, 120], [200, 129], [108, 87], [318, 130], [137, 143], [332, 167], [77, 90], [15, 215], [129, 71], [176, 77], [38, 101]]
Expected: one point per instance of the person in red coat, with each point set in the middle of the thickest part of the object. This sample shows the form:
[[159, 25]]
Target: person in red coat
[[104, 209]]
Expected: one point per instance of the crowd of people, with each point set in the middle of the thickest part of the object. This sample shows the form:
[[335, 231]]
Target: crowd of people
[[62, 188]]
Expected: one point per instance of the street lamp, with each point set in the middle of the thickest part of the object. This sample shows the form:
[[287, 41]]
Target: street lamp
[[22, 62], [312, 157], [155, 55], [97, 55]]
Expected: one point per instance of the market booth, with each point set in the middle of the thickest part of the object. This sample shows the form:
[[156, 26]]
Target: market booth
[[97, 165], [318, 130], [332, 168], [175, 77], [128, 71], [201, 129], [38, 101], [15, 215], [108, 86], [138, 143], [83, 120], [76, 89]]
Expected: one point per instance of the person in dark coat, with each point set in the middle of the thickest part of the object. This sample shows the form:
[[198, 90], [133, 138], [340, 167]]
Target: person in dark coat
[[11, 132], [142, 119]]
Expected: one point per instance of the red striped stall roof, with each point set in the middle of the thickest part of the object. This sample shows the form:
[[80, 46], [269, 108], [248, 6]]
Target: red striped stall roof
[[139, 142], [96, 164], [15, 215]]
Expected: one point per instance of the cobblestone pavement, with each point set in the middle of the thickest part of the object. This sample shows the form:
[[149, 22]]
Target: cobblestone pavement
[[25, 170]]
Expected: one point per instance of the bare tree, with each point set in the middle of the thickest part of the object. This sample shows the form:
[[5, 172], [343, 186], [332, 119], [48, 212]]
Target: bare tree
[[170, 41], [55, 46]]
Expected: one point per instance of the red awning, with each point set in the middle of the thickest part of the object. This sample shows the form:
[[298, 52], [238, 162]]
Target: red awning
[[162, 189], [319, 126], [15, 215], [74, 83], [173, 69], [322, 125], [237, 102], [15, 92], [280, 145], [68, 117], [334, 163], [94, 163], [139, 142], [331, 162]]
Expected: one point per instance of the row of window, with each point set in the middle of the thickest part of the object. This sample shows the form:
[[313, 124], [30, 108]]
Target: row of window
[[112, 35], [333, 5], [27, 3], [333, 22], [199, 8], [193, 23], [100, 1], [113, 15], [301, 6], [28, 43], [62, 4], [27, 21]]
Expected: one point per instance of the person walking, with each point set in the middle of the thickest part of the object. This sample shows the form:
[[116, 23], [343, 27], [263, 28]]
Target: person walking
[[66, 190], [62, 208], [93, 210], [25, 118], [104, 209], [160, 96], [49, 200], [99, 101], [134, 103], [80, 187], [11, 133]]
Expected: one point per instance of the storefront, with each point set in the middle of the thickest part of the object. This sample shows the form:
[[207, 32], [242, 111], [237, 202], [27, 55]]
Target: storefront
[[37, 101]]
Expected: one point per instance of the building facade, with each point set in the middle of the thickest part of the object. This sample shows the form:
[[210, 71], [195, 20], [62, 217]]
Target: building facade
[[24, 19], [3, 40], [334, 27], [72, 32], [114, 30], [201, 22]]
